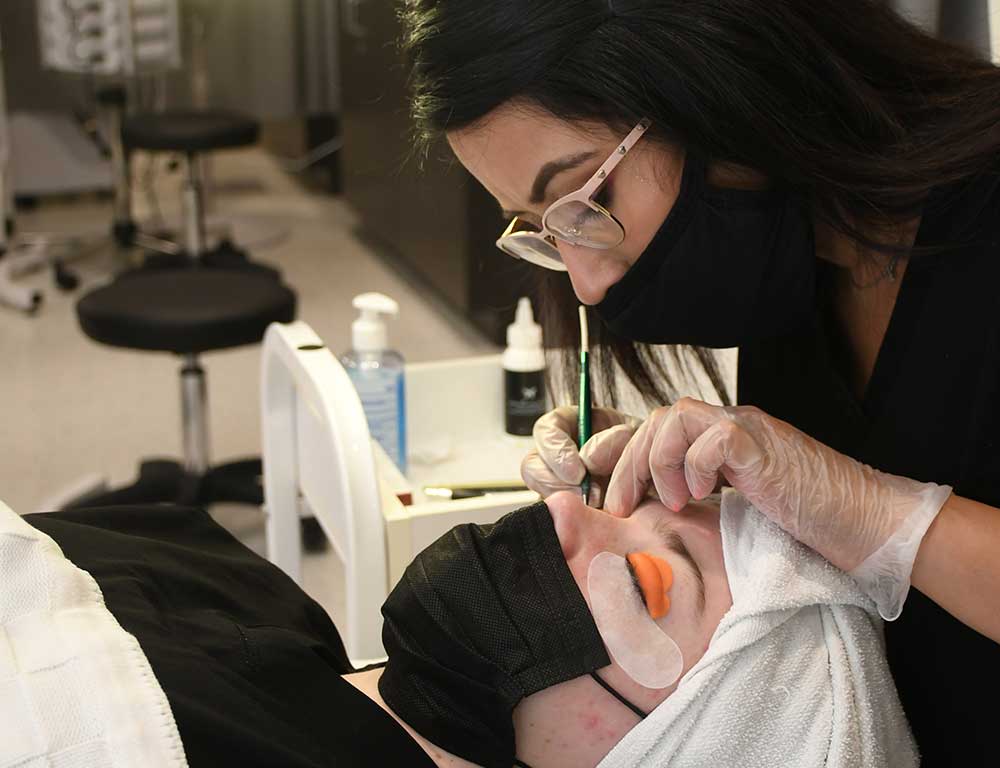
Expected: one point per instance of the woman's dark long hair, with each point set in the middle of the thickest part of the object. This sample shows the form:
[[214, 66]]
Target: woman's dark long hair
[[841, 102]]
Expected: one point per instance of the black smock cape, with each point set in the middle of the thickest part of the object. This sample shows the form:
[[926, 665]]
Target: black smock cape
[[931, 412], [250, 664]]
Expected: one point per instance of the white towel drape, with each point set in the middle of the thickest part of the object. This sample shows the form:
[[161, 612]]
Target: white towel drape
[[795, 674], [76, 690]]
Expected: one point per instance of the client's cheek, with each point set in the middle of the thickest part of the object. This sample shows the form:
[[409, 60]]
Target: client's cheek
[[569, 723], [689, 623], [689, 633], [597, 719]]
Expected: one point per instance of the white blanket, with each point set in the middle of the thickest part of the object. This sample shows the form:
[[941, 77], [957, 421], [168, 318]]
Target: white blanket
[[795, 674], [76, 690]]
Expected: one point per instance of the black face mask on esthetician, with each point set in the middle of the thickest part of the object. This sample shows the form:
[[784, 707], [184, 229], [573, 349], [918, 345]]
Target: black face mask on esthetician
[[727, 267], [485, 616]]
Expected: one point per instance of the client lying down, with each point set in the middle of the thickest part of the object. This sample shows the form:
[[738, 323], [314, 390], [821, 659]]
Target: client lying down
[[560, 636]]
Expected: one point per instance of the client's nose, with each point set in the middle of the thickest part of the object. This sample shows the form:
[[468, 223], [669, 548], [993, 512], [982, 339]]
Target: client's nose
[[583, 531], [569, 515]]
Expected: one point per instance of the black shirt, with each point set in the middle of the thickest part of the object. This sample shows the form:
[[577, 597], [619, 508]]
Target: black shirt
[[931, 412], [250, 664]]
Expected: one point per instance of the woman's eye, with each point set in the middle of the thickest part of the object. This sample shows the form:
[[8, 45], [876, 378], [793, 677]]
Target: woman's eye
[[603, 197], [527, 226], [586, 216]]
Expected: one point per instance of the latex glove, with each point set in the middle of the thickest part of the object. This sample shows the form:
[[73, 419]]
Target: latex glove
[[864, 521], [556, 465]]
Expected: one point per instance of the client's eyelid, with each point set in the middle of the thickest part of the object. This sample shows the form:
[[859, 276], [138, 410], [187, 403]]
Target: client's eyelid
[[672, 541], [634, 577]]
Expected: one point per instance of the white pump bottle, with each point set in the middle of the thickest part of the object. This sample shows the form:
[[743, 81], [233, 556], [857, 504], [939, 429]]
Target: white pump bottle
[[378, 374]]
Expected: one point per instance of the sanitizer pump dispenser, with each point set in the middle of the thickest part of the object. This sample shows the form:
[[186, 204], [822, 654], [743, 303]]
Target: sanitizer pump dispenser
[[524, 372], [378, 375]]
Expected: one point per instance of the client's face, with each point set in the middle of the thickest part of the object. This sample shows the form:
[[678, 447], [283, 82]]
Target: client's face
[[578, 719]]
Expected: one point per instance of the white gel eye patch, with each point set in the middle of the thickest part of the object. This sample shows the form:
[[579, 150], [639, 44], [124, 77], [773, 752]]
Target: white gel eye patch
[[646, 653]]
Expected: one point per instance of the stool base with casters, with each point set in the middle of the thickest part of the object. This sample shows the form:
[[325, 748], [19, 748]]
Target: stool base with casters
[[34, 251], [166, 481], [191, 482], [186, 312], [187, 133]]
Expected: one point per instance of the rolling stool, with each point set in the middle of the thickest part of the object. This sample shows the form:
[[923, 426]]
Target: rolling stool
[[187, 312], [189, 133]]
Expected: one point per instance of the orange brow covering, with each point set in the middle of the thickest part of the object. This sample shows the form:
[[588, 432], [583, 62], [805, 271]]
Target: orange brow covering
[[655, 578]]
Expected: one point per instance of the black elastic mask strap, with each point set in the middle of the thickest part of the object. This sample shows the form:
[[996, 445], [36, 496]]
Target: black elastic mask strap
[[642, 715], [600, 681]]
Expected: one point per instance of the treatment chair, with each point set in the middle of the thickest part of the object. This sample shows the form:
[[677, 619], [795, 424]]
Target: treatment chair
[[317, 445], [320, 459]]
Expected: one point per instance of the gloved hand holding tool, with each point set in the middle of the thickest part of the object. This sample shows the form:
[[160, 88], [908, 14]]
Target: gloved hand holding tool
[[866, 522], [556, 464], [568, 454]]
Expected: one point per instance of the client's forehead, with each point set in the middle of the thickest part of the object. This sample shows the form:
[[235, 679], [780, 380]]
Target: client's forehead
[[701, 514]]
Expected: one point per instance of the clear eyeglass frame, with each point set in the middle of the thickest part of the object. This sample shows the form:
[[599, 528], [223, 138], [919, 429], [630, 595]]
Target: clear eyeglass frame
[[576, 218]]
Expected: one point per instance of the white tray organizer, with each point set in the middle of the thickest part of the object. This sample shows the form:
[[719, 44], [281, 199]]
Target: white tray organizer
[[319, 456]]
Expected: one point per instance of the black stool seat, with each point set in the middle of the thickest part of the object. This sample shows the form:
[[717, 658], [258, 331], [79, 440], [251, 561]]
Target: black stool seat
[[186, 311], [189, 131]]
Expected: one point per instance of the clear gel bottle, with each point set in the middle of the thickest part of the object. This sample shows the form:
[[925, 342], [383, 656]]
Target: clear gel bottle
[[378, 375], [524, 372]]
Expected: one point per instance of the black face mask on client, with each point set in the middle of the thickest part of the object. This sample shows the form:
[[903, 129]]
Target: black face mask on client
[[485, 616], [727, 267]]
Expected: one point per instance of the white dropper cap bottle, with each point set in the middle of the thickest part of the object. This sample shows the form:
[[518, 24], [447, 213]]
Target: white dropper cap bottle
[[524, 350], [368, 332]]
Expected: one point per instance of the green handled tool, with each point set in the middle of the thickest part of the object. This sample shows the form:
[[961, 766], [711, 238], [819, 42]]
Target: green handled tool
[[583, 422]]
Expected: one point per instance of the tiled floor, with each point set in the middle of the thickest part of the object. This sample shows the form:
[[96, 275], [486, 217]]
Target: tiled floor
[[71, 408]]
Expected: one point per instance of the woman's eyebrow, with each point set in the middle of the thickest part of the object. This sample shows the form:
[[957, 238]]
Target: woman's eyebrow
[[672, 541], [552, 169], [539, 188]]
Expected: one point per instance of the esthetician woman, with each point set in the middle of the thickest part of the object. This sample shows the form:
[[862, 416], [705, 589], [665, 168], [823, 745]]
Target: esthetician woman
[[817, 183]]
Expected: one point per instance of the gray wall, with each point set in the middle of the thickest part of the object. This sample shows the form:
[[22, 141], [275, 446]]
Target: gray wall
[[275, 59], [965, 21], [29, 87], [272, 59]]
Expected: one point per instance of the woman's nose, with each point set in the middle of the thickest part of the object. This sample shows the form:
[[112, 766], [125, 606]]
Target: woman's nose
[[582, 265]]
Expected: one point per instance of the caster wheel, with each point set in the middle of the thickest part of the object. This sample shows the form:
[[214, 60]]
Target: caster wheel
[[66, 280]]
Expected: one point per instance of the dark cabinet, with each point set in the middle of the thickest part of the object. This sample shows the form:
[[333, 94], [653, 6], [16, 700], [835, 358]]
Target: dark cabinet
[[435, 221]]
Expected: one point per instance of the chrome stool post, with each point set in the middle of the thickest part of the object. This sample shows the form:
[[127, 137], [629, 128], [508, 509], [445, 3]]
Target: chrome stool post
[[194, 416], [195, 238]]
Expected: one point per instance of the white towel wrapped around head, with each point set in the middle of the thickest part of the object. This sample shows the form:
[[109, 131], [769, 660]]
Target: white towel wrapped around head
[[795, 674]]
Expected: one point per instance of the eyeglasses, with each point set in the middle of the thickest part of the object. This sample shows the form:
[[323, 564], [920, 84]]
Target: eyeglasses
[[576, 218]]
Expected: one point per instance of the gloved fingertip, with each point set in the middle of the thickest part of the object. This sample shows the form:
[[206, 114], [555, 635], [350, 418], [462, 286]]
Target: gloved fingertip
[[594, 496], [569, 468], [611, 504], [676, 503], [697, 492]]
